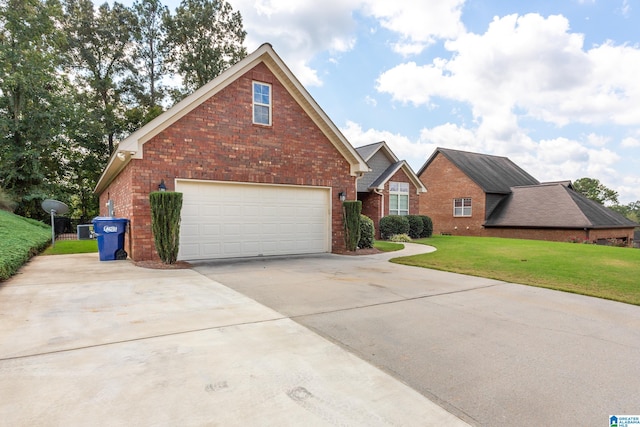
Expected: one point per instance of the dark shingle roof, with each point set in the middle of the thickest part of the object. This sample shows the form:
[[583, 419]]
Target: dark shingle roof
[[366, 151], [553, 205], [387, 174], [494, 174]]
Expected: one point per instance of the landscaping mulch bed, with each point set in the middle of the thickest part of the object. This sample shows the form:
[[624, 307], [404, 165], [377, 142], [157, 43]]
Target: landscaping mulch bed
[[369, 251], [159, 265]]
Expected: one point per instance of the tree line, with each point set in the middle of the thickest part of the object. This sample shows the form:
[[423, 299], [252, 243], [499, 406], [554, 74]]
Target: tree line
[[76, 77], [593, 189]]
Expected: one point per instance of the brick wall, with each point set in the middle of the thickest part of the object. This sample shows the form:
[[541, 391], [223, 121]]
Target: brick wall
[[563, 235], [218, 141], [444, 183]]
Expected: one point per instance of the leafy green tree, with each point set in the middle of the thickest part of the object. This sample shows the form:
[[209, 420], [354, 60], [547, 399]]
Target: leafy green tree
[[33, 102], [99, 42], [204, 38], [146, 84], [594, 190], [631, 210]]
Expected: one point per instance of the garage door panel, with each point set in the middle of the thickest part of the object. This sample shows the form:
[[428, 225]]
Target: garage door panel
[[222, 220]]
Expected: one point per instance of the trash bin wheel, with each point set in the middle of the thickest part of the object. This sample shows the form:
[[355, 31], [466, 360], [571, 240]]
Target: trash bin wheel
[[121, 254]]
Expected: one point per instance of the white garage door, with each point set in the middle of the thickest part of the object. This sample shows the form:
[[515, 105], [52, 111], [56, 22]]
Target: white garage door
[[226, 220]]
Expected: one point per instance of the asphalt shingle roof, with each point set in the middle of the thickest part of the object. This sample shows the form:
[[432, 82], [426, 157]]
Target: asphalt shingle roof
[[494, 174], [553, 205]]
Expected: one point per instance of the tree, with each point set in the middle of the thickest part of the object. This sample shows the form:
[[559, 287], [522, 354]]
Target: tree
[[99, 42], [204, 38], [631, 210], [146, 84], [594, 190], [33, 102]]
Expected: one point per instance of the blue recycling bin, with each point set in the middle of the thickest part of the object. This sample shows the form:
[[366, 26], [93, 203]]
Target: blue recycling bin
[[110, 233]]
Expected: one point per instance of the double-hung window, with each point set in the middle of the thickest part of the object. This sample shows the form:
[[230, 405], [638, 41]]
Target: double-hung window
[[262, 103], [462, 207], [398, 198]]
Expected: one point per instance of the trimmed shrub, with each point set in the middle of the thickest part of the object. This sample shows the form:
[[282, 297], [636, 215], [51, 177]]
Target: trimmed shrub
[[393, 224], [400, 238], [415, 226], [427, 229], [351, 213], [165, 224], [367, 232]]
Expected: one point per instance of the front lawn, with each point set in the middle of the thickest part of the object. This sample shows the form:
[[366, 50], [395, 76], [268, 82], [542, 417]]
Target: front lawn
[[385, 246], [600, 271]]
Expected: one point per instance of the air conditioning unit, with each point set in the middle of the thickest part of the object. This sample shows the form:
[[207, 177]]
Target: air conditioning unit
[[85, 231]]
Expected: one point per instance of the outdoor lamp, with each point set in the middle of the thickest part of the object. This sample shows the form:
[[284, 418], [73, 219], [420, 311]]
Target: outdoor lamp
[[161, 186], [342, 196]]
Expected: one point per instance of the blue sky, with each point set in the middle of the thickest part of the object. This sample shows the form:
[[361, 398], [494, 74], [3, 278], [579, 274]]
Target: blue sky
[[552, 84]]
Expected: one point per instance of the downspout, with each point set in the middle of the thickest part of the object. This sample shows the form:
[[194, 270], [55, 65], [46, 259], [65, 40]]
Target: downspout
[[381, 214]]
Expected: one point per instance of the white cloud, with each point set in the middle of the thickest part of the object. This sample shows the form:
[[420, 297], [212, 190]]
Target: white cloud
[[598, 140], [419, 22], [299, 30], [529, 64], [414, 152], [630, 142]]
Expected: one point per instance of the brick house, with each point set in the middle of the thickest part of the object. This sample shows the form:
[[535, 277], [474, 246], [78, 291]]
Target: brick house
[[260, 166], [391, 187], [475, 194]]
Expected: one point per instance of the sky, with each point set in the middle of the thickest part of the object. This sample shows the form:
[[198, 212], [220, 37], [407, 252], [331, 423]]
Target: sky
[[552, 84]]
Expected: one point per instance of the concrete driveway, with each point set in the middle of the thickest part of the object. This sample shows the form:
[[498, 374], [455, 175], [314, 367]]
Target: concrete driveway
[[493, 353], [110, 344]]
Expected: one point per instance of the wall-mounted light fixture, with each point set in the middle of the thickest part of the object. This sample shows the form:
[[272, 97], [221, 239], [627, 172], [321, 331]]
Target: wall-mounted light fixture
[[342, 196], [161, 186]]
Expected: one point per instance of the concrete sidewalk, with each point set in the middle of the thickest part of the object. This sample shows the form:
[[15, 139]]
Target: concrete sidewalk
[[84, 342]]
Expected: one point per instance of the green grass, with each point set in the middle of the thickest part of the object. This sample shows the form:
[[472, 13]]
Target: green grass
[[64, 247], [20, 239], [599, 271], [385, 246]]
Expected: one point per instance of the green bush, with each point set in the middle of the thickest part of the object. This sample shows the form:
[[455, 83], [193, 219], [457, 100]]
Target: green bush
[[393, 224], [351, 213], [20, 239], [400, 238], [367, 232], [165, 224], [415, 226], [427, 229]]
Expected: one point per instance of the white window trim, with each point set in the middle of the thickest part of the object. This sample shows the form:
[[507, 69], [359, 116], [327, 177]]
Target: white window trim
[[399, 193], [463, 207], [254, 103]]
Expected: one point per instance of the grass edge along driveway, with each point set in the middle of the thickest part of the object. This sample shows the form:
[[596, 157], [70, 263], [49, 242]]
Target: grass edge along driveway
[[600, 271]]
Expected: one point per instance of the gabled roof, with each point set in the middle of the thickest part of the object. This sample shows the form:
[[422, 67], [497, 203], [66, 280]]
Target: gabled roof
[[367, 151], [132, 146], [553, 205], [378, 182], [494, 174]]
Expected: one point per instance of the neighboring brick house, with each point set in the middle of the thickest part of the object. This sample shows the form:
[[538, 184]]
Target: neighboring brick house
[[260, 166], [390, 188], [475, 194]]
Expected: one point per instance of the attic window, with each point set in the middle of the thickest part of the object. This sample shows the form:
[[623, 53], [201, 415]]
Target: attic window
[[262, 103], [462, 207]]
